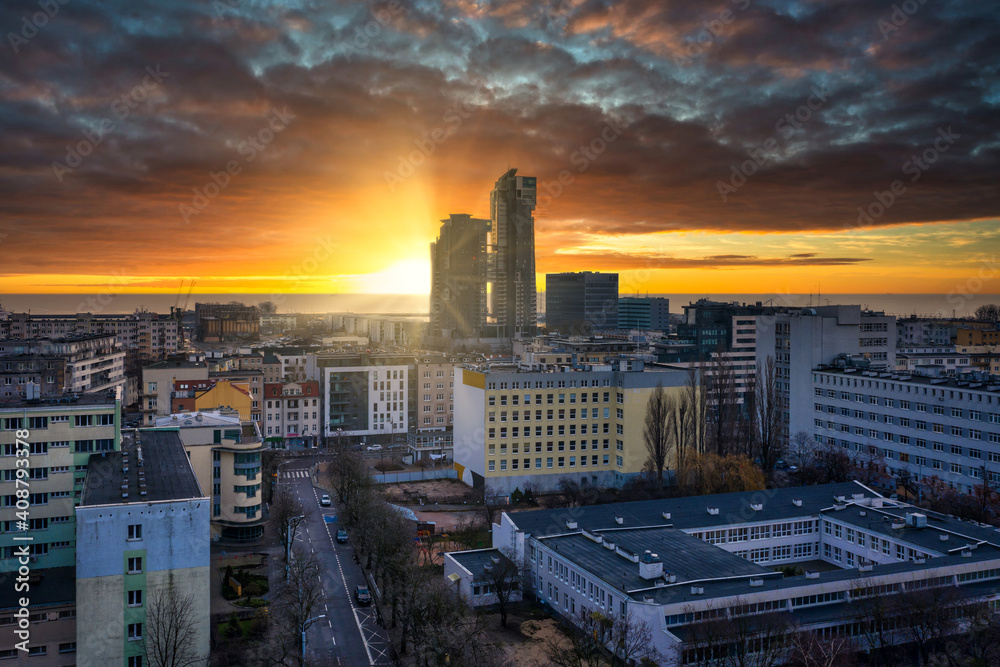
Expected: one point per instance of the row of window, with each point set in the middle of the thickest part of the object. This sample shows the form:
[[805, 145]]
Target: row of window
[[547, 384], [763, 532], [560, 461], [550, 398], [17, 423], [559, 445], [515, 415]]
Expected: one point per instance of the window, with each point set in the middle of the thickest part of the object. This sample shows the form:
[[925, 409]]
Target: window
[[135, 531], [135, 565], [135, 661], [134, 632], [135, 598]]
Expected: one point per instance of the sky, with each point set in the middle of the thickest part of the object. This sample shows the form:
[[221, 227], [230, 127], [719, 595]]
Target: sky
[[719, 146]]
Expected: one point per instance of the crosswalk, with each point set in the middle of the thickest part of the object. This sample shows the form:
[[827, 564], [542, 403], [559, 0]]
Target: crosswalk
[[288, 474]]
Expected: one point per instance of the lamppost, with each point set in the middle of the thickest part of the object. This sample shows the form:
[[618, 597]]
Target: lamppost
[[305, 626]]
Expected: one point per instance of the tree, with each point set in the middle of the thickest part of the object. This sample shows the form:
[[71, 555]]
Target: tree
[[800, 448], [632, 639], [286, 515], [298, 600], [170, 635], [587, 637], [722, 404], [988, 312], [267, 307], [766, 415], [807, 650], [738, 640], [656, 432], [503, 577]]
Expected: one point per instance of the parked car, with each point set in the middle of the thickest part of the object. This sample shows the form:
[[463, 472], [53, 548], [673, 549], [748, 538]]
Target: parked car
[[374, 448], [324, 500], [780, 464], [362, 595], [341, 535]]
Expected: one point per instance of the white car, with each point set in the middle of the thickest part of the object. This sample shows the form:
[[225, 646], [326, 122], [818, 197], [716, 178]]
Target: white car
[[324, 500], [374, 448]]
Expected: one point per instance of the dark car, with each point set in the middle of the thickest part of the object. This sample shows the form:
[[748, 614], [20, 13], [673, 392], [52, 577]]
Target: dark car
[[362, 595], [341, 535]]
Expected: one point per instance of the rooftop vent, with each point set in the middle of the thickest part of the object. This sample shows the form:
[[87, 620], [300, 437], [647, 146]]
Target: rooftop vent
[[966, 553], [619, 519], [570, 524], [865, 568], [714, 511], [943, 537], [797, 502], [920, 561], [666, 515], [839, 506], [812, 574], [916, 519], [697, 590], [898, 525], [756, 581], [841, 499], [757, 507]]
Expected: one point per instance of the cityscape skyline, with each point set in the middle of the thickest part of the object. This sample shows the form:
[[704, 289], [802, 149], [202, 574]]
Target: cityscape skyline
[[678, 145]]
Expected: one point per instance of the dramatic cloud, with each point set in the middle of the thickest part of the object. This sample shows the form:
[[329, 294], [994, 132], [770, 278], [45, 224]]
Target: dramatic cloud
[[234, 138]]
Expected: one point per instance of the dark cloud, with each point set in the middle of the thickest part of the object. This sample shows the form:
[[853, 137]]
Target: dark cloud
[[833, 106]]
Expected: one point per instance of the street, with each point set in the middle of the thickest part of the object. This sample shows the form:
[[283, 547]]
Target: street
[[349, 635]]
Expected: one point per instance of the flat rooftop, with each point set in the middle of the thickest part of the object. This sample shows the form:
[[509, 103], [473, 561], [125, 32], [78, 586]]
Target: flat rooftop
[[992, 383], [151, 467], [198, 420], [69, 401], [887, 519], [477, 559], [682, 555]]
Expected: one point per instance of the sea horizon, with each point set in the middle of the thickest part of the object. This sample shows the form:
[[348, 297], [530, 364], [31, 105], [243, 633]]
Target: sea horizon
[[901, 305]]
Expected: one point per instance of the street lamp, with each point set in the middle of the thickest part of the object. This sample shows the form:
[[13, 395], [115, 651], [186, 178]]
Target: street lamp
[[305, 626]]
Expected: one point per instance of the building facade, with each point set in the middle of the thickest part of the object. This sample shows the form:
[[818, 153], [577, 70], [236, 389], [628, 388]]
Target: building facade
[[138, 543], [513, 297], [151, 335], [292, 413], [459, 274], [515, 427], [158, 381], [579, 303], [366, 394], [644, 313], [221, 322], [90, 363]]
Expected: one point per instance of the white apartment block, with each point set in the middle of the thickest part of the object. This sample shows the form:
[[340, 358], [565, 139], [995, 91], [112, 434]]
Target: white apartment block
[[674, 564], [801, 340], [923, 426], [435, 403]]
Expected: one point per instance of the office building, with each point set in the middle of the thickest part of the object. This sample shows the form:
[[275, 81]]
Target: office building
[[142, 533], [644, 313], [292, 413], [802, 339], [366, 394], [580, 303], [674, 565], [225, 456], [222, 322], [513, 299], [458, 278], [515, 427]]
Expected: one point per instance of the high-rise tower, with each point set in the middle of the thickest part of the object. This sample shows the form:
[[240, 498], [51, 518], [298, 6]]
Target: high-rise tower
[[512, 298], [458, 278]]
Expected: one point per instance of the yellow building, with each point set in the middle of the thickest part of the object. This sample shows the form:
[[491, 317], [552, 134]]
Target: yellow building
[[227, 394], [515, 428]]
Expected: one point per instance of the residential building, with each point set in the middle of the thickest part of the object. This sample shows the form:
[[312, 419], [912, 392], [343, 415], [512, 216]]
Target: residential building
[[366, 394], [31, 375], [203, 395], [90, 362], [158, 382], [919, 426], [984, 358], [975, 336], [515, 427], [390, 330], [932, 360], [61, 435], [252, 379], [459, 263], [674, 564], [512, 298], [922, 332], [435, 406], [644, 313], [51, 618], [225, 456], [579, 303], [800, 340], [151, 335], [272, 369], [292, 412], [221, 322], [138, 543]]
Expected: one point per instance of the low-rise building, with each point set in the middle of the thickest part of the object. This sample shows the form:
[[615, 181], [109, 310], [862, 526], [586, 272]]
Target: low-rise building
[[158, 382], [674, 566], [142, 549]]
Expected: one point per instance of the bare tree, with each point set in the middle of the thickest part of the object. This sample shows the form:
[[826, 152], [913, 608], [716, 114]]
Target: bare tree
[[656, 432], [298, 600], [632, 639], [287, 513], [738, 640], [807, 650], [586, 639], [503, 577], [697, 398], [801, 449], [766, 415], [170, 635], [723, 405], [492, 504], [989, 312]]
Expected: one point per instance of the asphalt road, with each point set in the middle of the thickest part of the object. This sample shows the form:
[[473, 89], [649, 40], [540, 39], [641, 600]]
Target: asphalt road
[[349, 635]]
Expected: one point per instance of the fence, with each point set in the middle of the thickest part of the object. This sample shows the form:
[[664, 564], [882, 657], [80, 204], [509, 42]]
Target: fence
[[415, 476]]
